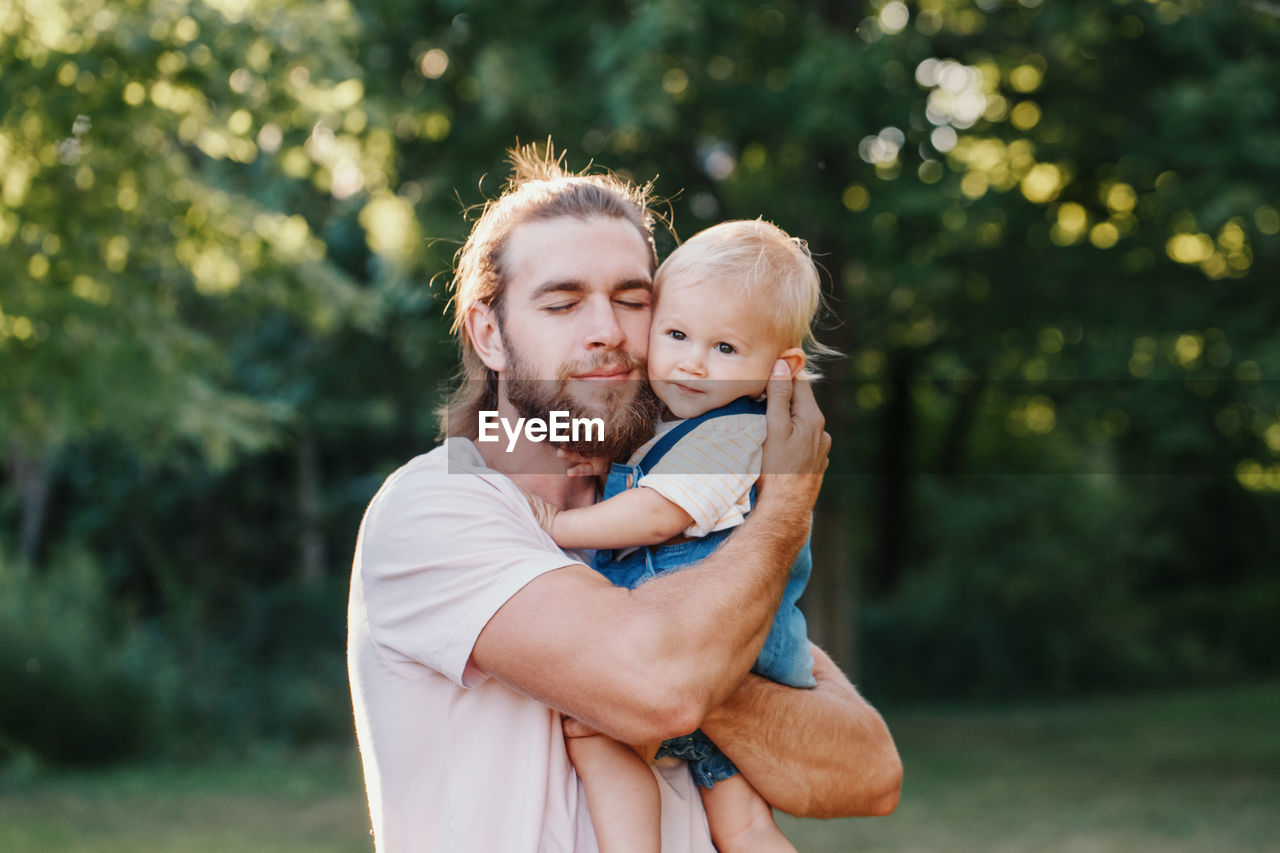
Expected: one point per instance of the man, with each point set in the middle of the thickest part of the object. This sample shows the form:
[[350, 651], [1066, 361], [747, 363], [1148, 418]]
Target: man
[[471, 633]]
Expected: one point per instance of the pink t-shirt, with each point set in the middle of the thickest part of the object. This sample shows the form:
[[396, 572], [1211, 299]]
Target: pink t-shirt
[[454, 760]]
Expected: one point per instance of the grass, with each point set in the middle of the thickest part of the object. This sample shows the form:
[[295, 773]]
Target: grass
[[1197, 770], [1194, 771], [266, 803]]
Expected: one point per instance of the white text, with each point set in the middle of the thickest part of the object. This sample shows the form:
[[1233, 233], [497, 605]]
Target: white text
[[559, 427]]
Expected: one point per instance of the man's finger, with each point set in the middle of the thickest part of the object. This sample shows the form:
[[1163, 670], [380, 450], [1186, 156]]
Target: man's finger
[[778, 411], [804, 406]]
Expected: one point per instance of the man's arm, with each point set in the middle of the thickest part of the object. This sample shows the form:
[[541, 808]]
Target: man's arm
[[646, 664], [823, 752]]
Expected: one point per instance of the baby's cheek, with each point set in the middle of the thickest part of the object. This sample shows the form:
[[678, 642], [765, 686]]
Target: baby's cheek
[[655, 381], [657, 357]]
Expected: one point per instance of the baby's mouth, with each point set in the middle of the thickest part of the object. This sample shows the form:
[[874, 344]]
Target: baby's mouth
[[687, 389]]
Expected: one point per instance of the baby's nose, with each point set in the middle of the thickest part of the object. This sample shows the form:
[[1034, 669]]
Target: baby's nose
[[692, 365]]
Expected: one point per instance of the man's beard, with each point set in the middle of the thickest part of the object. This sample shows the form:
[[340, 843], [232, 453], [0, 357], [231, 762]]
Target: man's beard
[[628, 409]]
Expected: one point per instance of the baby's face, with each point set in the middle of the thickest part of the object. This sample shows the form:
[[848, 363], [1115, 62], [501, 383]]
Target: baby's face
[[708, 347]]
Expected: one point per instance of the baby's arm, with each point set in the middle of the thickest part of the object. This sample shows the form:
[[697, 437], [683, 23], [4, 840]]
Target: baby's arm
[[629, 519]]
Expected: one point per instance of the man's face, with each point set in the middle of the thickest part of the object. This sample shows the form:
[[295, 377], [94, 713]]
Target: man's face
[[575, 325]]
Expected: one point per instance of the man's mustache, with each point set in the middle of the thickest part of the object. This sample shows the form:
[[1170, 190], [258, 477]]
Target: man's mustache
[[604, 362]]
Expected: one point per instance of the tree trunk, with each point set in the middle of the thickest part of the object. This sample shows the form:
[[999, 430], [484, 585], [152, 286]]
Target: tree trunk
[[310, 536], [956, 440], [32, 476], [894, 482], [829, 603]]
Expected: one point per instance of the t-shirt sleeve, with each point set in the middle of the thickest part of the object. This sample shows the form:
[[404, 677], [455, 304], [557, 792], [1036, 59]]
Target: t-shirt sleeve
[[709, 472], [440, 553]]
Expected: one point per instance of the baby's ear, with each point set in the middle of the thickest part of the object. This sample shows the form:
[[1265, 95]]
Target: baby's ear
[[795, 358]]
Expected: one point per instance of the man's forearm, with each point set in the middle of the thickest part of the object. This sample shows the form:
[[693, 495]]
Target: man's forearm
[[713, 618], [717, 614], [823, 752], [649, 663]]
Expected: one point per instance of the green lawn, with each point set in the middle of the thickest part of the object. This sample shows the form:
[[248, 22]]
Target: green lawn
[[1195, 771], [269, 803], [1189, 771]]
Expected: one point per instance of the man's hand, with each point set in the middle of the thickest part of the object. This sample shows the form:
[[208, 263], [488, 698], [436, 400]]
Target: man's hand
[[796, 446]]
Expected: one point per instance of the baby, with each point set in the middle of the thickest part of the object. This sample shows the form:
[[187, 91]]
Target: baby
[[730, 303]]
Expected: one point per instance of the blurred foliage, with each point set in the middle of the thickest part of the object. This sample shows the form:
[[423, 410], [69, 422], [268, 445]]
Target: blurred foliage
[[151, 215], [1051, 236], [1043, 586], [83, 684], [89, 681]]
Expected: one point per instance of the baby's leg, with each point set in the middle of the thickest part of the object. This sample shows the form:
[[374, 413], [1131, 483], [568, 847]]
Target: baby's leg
[[622, 793], [740, 819]]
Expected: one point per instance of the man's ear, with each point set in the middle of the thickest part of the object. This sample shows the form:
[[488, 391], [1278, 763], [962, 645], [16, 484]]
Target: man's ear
[[795, 359], [481, 324]]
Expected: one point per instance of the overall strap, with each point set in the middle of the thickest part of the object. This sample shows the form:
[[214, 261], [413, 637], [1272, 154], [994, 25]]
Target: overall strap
[[740, 406]]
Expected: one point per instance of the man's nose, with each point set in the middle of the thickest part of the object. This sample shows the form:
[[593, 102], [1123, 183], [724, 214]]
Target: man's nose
[[603, 328]]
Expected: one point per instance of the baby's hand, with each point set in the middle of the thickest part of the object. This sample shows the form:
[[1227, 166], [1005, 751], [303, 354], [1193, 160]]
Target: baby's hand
[[576, 728], [543, 511], [585, 466]]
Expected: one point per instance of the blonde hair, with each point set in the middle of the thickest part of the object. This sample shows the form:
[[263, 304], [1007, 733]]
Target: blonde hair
[[763, 263], [540, 188]]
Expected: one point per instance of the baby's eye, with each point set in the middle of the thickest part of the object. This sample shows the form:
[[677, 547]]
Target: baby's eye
[[727, 349], [676, 334]]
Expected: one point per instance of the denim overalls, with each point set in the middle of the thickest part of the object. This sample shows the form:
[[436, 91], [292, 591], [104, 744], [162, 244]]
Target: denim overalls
[[785, 657]]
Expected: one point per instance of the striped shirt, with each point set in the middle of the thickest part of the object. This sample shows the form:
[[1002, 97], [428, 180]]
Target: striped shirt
[[709, 473]]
